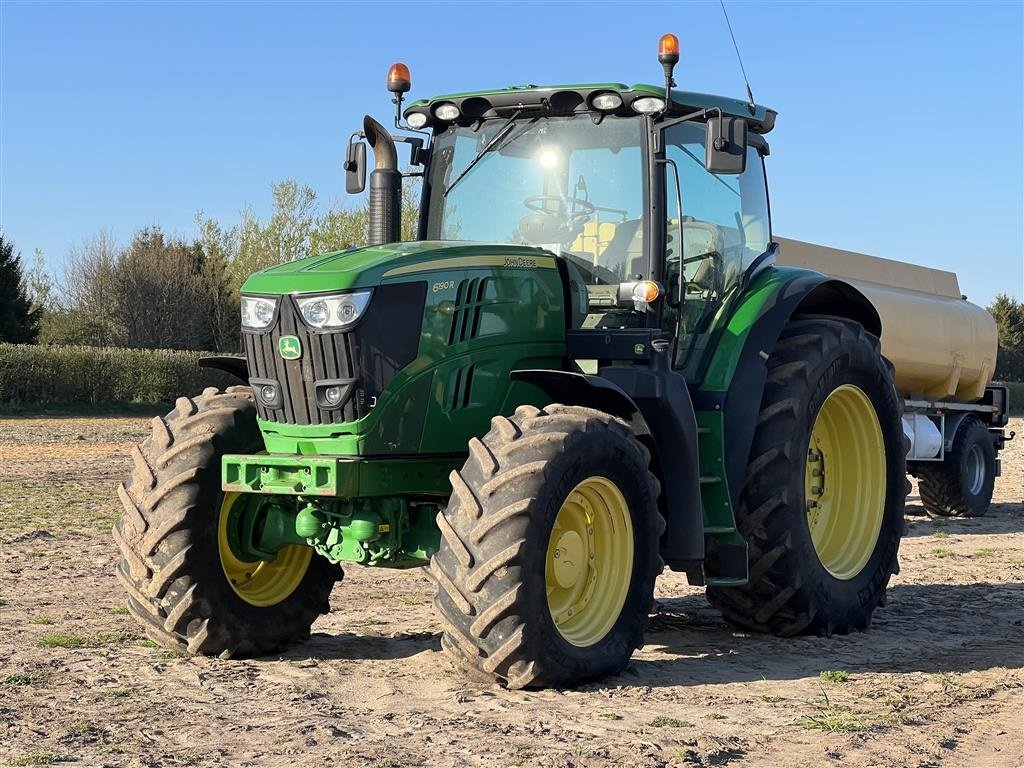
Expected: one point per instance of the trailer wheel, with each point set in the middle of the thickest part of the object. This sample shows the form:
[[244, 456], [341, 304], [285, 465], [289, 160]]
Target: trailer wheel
[[822, 504], [549, 549], [962, 485], [184, 585]]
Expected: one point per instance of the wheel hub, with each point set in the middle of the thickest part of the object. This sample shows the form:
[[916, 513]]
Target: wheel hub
[[569, 561], [260, 583]]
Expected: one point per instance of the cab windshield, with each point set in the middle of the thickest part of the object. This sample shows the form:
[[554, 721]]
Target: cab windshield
[[567, 184]]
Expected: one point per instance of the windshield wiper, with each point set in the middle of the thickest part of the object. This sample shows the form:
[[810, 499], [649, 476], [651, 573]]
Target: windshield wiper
[[502, 132]]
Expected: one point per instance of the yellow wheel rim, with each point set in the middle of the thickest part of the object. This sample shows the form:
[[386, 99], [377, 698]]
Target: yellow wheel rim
[[589, 561], [260, 582], [844, 482]]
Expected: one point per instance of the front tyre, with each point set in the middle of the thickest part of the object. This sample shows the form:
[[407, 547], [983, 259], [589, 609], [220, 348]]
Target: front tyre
[[822, 504], [185, 585], [549, 549]]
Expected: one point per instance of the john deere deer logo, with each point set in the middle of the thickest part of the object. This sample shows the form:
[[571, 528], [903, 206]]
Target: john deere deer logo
[[290, 347]]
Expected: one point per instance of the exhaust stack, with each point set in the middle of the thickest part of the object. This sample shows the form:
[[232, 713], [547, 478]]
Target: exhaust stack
[[385, 200]]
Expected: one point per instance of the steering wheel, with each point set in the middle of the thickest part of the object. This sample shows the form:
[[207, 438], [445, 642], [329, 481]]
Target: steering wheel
[[580, 212]]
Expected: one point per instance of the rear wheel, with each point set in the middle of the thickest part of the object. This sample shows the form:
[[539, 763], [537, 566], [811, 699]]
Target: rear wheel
[[549, 549], [822, 504], [185, 582], [962, 485]]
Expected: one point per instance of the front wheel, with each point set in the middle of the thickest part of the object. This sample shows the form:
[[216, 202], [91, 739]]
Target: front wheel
[[822, 504], [186, 584], [549, 549]]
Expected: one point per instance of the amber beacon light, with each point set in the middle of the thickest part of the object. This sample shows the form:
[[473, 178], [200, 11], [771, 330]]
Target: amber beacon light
[[668, 50], [668, 56], [399, 80]]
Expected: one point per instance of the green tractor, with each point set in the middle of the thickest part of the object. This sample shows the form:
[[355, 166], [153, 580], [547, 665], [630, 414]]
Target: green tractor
[[588, 368]]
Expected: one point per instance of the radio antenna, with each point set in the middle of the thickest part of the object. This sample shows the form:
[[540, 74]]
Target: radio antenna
[[750, 94]]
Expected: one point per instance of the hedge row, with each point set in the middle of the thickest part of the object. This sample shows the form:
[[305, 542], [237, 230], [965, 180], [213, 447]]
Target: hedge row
[[54, 374]]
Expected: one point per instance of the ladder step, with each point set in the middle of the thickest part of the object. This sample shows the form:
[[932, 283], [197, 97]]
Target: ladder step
[[709, 479], [719, 529], [703, 430], [725, 581]]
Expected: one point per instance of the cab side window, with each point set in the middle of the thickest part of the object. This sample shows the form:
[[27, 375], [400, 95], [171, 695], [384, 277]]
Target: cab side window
[[724, 228], [723, 214]]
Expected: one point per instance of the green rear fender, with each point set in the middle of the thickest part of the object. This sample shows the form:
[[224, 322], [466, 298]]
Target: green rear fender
[[735, 377]]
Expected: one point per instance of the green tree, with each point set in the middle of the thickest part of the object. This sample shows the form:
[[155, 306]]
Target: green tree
[[220, 248], [40, 284], [283, 237], [1009, 316], [87, 294], [160, 296], [19, 321]]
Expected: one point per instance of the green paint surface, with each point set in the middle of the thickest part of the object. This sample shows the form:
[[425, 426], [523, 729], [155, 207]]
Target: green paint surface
[[367, 267], [759, 297]]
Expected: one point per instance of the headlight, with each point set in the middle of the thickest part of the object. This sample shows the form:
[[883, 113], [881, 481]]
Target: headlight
[[258, 311], [416, 120], [648, 105], [333, 312]]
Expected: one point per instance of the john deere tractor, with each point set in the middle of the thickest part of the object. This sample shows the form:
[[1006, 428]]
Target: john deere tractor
[[589, 367]]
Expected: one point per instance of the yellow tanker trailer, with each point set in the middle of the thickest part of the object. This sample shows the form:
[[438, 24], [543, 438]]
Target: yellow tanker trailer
[[943, 349]]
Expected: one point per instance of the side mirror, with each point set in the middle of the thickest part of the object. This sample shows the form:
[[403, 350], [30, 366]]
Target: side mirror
[[726, 150], [355, 168]]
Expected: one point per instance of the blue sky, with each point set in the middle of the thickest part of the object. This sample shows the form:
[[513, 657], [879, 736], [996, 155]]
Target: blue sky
[[899, 130]]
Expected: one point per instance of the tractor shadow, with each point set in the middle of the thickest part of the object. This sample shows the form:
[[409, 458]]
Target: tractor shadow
[[935, 628], [1002, 517], [349, 646]]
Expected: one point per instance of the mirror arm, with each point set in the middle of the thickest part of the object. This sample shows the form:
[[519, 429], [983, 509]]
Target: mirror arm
[[418, 153]]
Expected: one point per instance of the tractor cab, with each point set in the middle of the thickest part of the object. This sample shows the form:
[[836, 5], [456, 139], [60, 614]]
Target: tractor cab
[[657, 207]]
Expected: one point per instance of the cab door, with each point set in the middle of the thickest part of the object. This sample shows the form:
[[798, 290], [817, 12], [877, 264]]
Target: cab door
[[714, 229]]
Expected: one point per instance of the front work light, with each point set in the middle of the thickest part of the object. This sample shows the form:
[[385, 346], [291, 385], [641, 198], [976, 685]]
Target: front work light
[[416, 120], [648, 105], [447, 111], [258, 312], [607, 101], [333, 312]]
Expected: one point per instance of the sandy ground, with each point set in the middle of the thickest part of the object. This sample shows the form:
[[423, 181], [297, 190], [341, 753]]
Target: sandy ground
[[938, 681]]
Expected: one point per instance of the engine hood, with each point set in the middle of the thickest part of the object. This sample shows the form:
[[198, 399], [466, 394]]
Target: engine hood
[[371, 266]]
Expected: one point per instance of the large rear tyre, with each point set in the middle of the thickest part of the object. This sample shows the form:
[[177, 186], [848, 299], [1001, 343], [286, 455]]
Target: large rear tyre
[[184, 585], [962, 484], [822, 504], [549, 549]]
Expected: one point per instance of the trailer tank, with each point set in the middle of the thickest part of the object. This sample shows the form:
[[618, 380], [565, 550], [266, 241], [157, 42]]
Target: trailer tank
[[942, 346]]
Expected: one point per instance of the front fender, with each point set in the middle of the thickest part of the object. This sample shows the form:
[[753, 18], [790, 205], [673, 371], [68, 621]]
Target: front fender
[[657, 406], [236, 366]]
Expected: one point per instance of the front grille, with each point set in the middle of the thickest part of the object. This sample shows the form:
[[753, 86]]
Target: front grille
[[383, 342]]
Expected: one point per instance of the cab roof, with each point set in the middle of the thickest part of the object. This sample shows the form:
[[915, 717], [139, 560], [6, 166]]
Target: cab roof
[[571, 99]]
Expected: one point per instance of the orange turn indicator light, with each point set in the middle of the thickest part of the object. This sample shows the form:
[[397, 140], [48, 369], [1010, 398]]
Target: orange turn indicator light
[[668, 49], [399, 80], [646, 290]]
